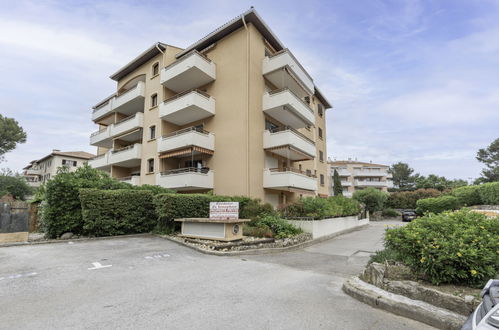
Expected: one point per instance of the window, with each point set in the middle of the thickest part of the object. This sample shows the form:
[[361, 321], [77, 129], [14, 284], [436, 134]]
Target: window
[[307, 99], [322, 179], [320, 133], [150, 165], [320, 110], [321, 156], [154, 100], [155, 69], [69, 162], [152, 132]]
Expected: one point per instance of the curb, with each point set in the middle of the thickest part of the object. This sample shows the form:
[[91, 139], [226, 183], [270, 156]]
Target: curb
[[83, 239], [266, 250], [413, 309]]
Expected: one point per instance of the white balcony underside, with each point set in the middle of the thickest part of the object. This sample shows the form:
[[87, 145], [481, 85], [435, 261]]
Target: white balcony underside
[[286, 180], [124, 158], [106, 136], [128, 103], [187, 139], [186, 181], [191, 71], [288, 109], [187, 109], [300, 148]]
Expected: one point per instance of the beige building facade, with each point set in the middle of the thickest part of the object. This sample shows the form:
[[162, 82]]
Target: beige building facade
[[235, 113], [42, 170], [356, 175]]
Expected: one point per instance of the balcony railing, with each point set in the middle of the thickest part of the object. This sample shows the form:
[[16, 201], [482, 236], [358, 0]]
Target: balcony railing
[[187, 107], [288, 108], [289, 143], [291, 169], [188, 178], [187, 137], [289, 128], [128, 102], [288, 178], [203, 170], [190, 71]]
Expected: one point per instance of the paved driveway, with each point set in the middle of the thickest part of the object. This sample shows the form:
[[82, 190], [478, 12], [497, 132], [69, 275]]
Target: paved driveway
[[148, 282]]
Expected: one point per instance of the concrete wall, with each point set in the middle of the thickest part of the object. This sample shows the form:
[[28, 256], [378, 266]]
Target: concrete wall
[[319, 228]]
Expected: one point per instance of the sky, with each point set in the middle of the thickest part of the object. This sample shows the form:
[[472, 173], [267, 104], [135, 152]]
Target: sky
[[415, 81]]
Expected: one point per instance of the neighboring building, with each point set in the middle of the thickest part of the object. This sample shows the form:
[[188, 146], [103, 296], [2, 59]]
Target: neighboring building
[[40, 171], [235, 113], [356, 175]]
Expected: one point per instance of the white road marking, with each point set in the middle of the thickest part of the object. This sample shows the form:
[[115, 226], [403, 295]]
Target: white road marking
[[157, 256], [11, 277], [97, 265]]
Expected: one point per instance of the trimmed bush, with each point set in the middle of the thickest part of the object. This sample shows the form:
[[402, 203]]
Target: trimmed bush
[[452, 247], [117, 212], [321, 208], [408, 199], [390, 213], [489, 193], [437, 204], [372, 198], [280, 228], [467, 195]]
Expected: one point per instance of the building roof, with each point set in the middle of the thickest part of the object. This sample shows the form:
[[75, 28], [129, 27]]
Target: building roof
[[250, 16], [354, 162], [74, 154], [149, 53]]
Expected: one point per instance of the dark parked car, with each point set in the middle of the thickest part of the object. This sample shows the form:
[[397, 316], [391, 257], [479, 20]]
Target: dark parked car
[[408, 215], [486, 315]]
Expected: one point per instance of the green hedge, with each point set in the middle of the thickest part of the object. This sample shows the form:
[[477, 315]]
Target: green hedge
[[452, 247], [321, 208], [489, 193], [467, 195], [280, 228], [437, 204], [372, 198], [408, 199], [117, 212]]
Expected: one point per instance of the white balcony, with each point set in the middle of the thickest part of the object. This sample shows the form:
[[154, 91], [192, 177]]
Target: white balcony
[[370, 173], [289, 143], [341, 172], [133, 180], [104, 137], [284, 71], [288, 109], [185, 138], [286, 179], [191, 71], [33, 171], [371, 183], [100, 161], [187, 108], [127, 103], [186, 179], [126, 157], [346, 183], [100, 137]]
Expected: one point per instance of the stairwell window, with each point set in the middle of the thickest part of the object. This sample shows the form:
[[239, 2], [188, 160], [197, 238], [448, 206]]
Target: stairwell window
[[320, 110], [320, 133], [152, 132], [150, 165], [321, 156], [155, 69], [322, 179], [154, 100]]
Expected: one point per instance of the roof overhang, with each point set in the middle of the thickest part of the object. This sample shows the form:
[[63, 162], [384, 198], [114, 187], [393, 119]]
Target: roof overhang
[[250, 16], [322, 98], [139, 60]]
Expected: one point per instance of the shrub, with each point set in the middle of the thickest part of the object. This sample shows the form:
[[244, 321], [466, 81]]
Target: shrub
[[253, 208], [14, 185], [437, 204], [452, 247], [467, 195], [385, 255], [408, 199], [390, 213], [62, 212], [347, 205], [321, 208], [280, 228], [117, 212], [372, 198], [263, 231], [489, 193]]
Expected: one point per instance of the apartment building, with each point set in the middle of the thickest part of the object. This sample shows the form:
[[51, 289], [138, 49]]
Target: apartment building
[[234, 113], [356, 175], [40, 171]]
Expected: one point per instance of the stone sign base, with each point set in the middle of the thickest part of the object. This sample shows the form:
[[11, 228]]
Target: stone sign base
[[205, 228], [13, 237]]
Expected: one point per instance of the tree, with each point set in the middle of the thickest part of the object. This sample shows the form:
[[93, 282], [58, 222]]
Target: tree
[[401, 175], [10, 135], [337, 189], [433, 181], [14, 184], [490, 157]]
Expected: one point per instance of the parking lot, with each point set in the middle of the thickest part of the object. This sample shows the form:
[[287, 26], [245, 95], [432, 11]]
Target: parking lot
[[149, 282]]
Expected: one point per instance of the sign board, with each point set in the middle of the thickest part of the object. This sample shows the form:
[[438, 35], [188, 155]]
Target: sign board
[[224, 210]]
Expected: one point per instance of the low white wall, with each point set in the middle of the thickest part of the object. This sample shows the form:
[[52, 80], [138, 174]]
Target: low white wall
[[319, 228]]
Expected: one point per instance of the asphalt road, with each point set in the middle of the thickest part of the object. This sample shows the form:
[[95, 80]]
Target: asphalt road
[[152, 283]]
